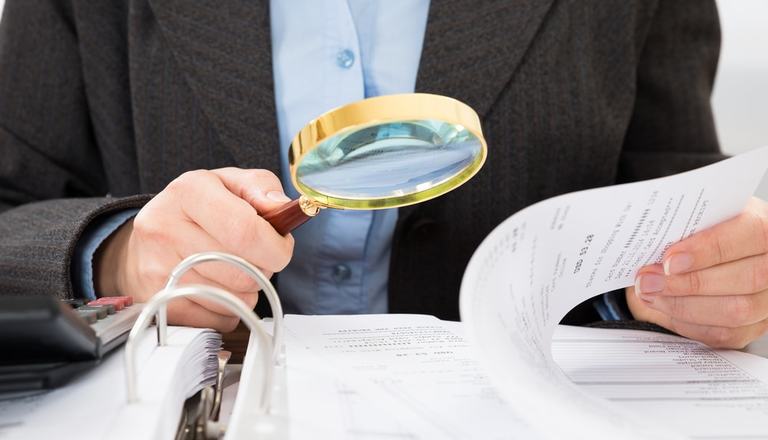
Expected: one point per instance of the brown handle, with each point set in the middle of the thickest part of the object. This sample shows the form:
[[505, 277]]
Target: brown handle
[[291, 215]]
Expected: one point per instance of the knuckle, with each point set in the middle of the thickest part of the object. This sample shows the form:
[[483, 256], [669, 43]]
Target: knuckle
[[720, 248], [266, 175], [277, 262], [187, 180], [670, 324], [250, 300], [730, 338], [141, 222], [228, 325], [146, 227], [739, 309], [683, 285], [762, 229], [736, 341], [152, 272], [759, 276], [241, 232], [677, 308], [242, 282], [695, 283], [721, 337], [284, 258], [257, 174]]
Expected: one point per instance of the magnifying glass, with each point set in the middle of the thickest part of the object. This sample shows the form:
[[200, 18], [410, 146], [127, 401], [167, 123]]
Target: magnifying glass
[[382, 152]]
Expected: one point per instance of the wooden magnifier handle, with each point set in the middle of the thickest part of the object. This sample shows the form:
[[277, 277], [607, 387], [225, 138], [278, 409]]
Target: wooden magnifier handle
[[291, 215]]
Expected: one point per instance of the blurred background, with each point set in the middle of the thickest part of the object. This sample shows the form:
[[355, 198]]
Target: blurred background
[[740, 99], [741, 91]]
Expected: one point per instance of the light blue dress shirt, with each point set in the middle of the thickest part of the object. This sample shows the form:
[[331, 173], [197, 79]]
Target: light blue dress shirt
[[326, 54]]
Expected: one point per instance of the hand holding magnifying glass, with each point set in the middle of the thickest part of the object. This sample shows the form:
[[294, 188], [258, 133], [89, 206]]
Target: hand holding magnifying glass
[[382, 152]]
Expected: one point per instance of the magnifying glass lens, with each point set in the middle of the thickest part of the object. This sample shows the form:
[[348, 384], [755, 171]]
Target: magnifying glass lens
[[381, 163]]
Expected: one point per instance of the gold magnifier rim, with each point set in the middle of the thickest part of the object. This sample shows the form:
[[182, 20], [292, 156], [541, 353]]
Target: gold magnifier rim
[[382, 110]]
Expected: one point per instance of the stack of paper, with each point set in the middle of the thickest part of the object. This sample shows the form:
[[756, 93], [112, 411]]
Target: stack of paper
[[416, 377], [94, 405], [668, 380], [389, 377]]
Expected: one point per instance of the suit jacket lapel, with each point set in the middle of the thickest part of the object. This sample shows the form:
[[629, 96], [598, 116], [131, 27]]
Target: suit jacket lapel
[[224, 49], [471, 50]]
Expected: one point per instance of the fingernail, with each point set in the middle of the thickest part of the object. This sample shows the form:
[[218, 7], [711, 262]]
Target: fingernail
[[643, 297], [677, 263], [278, 196], [648, 299], [649, 283]]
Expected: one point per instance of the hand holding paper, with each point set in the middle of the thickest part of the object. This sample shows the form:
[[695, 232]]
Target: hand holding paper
[[712, 286], [544, 260]]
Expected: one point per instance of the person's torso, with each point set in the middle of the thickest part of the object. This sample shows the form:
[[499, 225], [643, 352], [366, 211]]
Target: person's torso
[[180, 85]]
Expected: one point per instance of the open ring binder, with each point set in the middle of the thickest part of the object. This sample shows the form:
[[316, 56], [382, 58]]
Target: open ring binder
[[266, 286], [269, 351]]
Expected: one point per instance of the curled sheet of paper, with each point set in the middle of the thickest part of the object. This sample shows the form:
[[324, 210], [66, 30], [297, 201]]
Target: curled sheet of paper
[[544, 260]]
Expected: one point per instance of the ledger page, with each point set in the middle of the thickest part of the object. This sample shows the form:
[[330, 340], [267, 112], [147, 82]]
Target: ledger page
[[390, 377], [698, 391], [544, 260]]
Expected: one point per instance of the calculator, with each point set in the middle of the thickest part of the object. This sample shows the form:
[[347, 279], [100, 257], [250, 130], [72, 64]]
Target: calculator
[[45, 341]]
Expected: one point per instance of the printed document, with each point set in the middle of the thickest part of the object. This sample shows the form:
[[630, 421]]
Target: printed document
[[668, 380], [544, 260], [414, 376]]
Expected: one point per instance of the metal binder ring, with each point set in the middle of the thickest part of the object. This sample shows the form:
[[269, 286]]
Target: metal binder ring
[[269, 290], [214, 294]]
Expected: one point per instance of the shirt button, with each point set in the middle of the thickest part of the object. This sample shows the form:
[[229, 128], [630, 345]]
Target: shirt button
[[345, 59], [341, 272]]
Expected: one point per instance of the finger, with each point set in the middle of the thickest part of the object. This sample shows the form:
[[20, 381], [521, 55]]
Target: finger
[[640, 309], [192, 239], [184, 312], [261, 188], [718, 337], [155, 267], [249, 298], [167, 241], [740, 237], [715, 336], [721, 311], [231, 220], [740, 277]]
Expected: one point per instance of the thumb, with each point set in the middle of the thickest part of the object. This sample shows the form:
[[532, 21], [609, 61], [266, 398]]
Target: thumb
[[260, 188]]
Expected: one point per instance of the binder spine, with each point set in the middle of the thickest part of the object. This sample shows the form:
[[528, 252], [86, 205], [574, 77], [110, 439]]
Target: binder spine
[[270, 352]]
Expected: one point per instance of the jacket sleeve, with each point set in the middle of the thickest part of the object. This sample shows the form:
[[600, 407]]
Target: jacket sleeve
[[672, 128], [52, 183]]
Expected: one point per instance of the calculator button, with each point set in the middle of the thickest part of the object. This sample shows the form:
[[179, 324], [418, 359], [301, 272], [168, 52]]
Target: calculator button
[[101, 311], [88, 315], [118, 303], [74, 303], [128, 300]]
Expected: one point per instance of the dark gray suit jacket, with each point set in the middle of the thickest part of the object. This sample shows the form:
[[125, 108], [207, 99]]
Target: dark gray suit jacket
[[103, 102]]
